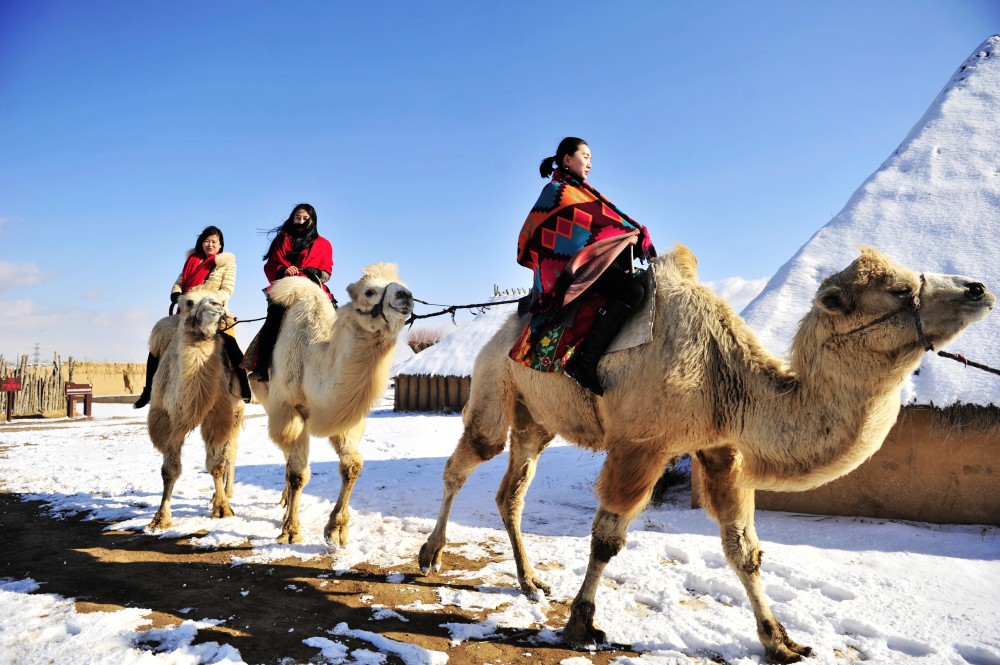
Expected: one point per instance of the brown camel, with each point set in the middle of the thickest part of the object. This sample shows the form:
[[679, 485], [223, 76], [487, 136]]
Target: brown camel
[[194, 386], [329, 367], [705, 385]]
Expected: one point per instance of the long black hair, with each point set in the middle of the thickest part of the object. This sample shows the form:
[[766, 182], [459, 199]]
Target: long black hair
[[209, 231], [568, 146], [303, 238]]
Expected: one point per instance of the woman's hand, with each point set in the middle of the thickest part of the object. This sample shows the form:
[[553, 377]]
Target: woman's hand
[[291, 270]]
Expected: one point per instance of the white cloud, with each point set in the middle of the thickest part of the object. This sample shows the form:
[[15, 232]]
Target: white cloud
[[19, 274], [738, 291]]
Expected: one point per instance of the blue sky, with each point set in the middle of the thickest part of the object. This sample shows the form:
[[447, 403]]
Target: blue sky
[[415, 129]]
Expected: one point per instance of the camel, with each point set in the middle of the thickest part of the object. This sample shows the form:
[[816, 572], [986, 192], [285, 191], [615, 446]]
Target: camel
[[706, 385], [194, 386], [328, 368]]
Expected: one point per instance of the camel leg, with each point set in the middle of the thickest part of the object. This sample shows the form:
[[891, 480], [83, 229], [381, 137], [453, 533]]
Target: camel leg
[[169, 444], [220, 431], [623, 488], [297, 474], [287, 428], [346, 445], [527, 441], [733, 507], [474, 448]]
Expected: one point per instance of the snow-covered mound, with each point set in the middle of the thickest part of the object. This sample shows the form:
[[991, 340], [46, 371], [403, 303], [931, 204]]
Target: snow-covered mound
[[934, 206]]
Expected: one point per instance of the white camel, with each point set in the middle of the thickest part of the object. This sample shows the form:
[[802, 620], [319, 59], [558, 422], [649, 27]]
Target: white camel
[[706, 385], [328, 368], [194, 386]]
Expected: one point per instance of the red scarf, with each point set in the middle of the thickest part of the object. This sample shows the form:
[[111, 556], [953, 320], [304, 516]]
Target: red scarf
[[196, 271]]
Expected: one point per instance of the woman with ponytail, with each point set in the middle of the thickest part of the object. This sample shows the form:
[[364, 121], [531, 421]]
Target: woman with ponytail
[[580, 248], [297, 250]]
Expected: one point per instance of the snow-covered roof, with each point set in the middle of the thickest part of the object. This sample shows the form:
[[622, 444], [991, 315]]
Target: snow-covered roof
[[455, 354], [934, 206]]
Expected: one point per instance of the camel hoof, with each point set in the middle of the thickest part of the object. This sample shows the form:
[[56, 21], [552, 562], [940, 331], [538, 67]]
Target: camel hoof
[[430, 558], [580, 631], [336, 536], [583, 638], [220, 512], [790, 652], [160, 523], [534, 588], [289, 537]]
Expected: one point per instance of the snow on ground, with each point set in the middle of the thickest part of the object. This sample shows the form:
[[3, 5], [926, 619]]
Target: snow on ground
[[891, 592]]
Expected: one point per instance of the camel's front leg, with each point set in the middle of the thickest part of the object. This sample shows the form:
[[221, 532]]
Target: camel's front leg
[[473, 449], [624, 487], [733, 507], [169, 444], [527, 441], [346, 445], [220, 430]]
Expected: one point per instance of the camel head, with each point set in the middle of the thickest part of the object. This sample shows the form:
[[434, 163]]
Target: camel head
[[379, 301], [875, 306], [200, 311]]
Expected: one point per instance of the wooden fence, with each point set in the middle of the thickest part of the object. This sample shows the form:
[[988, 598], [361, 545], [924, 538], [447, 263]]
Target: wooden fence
[[431, 393], [42, 386]]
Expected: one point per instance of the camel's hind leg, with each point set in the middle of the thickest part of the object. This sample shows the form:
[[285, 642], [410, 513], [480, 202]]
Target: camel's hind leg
[[346, 445], [287, 428], [482, 439], [527, 441], [733, 507], [168, 442], [220, 430], [623, 487]]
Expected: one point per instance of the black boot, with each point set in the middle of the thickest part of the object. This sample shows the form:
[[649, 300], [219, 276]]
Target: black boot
[[266, 338], [583, 365], [232, 349], [152, 362]]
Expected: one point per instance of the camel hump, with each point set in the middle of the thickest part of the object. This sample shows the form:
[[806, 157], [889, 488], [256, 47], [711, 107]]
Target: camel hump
[[162, 335], [684, 261], [290, 290]]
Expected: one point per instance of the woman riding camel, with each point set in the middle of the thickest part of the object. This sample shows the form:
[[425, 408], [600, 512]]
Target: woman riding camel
[[296, 250], [580, 248], [206, 266]]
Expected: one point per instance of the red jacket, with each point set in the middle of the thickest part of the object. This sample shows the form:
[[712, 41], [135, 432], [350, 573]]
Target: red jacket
[[318, 256]]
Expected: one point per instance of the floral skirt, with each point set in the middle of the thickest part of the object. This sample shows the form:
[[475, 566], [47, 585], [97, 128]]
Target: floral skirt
[[548, 341]]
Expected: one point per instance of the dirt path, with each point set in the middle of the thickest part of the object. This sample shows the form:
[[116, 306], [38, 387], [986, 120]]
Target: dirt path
[[269, 608]]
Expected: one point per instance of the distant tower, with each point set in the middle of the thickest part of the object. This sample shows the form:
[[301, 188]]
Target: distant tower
[[38, 354]]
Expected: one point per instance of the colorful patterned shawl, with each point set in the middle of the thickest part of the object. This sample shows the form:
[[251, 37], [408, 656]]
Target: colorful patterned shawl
[[571, 236]]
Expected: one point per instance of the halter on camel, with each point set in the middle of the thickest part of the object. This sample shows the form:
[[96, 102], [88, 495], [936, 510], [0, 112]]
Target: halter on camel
[[378, 308], [913, 306]]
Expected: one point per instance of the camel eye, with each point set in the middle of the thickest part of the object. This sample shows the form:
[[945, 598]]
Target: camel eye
[[370, 293], [902, 294]]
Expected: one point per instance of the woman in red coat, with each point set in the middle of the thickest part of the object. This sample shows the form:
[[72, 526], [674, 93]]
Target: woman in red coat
[[297, 250]]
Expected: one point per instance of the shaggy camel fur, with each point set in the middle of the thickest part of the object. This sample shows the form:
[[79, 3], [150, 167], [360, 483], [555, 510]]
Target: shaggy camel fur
[[706, 385], [329, 367], [194, 386]]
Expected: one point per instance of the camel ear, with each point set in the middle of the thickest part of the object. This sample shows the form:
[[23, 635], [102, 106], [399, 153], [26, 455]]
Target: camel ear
[[352, 290], [834, 300]]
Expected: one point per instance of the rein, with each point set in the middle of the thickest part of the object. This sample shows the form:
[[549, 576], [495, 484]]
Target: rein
[[453, 309], [914, 307]]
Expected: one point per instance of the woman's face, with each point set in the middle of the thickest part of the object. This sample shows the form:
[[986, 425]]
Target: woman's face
[[579, 162], [211, 245], [301, 218]]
